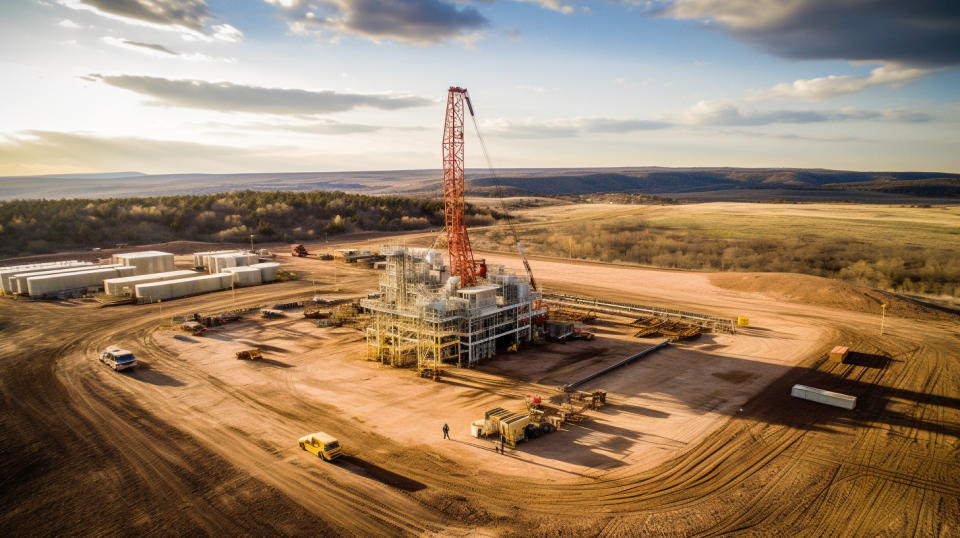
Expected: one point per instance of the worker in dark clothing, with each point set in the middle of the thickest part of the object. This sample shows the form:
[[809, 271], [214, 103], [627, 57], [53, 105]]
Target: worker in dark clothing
[[446, 431]]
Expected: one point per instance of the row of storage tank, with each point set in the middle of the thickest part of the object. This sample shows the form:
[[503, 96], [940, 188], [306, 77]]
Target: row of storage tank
[[148, 276]]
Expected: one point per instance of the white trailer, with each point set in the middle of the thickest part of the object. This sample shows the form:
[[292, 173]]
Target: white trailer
[[183, 287], [128, 285], [18, 282], [827, 397], [7, 272], [51, 285]]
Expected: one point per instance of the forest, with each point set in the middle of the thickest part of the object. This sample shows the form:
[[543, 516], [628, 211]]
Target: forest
[[38, 226]]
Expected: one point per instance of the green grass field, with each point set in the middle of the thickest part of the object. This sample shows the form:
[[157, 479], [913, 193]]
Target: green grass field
[[908, 249]]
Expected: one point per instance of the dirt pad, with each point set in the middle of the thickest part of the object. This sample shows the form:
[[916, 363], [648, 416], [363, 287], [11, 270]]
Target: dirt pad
[[701, 438]]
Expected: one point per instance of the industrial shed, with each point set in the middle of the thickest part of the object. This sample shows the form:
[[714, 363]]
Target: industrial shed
[[218, 262]]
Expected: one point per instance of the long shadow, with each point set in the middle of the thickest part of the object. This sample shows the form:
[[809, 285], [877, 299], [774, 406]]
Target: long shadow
[[143, 373], [263, 347], [867, 360], [272, 363], [361, 467]]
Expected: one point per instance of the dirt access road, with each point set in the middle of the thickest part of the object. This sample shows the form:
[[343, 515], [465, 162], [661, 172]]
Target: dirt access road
[[90, 452]]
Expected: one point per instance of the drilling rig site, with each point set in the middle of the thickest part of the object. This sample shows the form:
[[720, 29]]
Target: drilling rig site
[[385, 384]]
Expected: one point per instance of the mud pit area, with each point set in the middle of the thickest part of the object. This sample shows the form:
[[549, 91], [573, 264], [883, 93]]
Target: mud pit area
[[195, 440]]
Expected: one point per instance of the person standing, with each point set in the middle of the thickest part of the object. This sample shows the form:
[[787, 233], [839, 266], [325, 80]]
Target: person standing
[[446, 431]]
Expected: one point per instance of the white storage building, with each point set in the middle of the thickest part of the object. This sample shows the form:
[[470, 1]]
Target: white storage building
[[18, 283], [127, 285], [50, 285], [216, 263], [245, 276], [146, 262], [200, 258], [268, 270], [7, 272], [182, 287]]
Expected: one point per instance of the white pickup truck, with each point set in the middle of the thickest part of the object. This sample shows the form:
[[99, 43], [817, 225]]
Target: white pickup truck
[[118, 359]]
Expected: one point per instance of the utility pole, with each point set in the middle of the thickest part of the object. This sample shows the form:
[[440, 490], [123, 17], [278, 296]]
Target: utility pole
[[883, 311], [251, 242]]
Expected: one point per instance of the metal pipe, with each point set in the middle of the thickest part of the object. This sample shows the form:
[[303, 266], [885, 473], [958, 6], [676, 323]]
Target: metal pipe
[[570, 386]]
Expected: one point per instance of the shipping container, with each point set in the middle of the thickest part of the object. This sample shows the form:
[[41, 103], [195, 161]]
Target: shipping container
[[51, 285], [128, 285], [245, 276], [268, 270], [827, 397], [216, 263], [183, 287], [146, 262]]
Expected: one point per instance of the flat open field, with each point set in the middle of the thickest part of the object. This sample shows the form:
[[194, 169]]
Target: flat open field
[[700, 438]]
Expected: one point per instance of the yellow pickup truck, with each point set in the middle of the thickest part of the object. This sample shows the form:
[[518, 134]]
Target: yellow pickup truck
[[322, 444]]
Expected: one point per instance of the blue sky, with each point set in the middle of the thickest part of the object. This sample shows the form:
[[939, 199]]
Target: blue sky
[[167, 86]]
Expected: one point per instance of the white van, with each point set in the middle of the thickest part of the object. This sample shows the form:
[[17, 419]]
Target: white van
[[118, 359]]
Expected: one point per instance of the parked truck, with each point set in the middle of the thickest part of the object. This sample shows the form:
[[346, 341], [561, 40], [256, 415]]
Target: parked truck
[[298, 251]]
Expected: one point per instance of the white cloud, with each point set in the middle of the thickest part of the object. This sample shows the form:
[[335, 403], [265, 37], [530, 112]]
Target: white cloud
[[225, 32], [819, 89], [567, 127], [730, 113], [67, 23]]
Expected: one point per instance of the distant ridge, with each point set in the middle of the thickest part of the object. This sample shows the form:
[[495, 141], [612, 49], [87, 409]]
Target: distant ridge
[[689, 182]]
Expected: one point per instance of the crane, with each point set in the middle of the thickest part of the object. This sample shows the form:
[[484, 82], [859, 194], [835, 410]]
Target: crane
[[462, 262]]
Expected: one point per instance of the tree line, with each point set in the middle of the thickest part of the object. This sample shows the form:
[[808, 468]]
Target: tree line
[[36, 226]]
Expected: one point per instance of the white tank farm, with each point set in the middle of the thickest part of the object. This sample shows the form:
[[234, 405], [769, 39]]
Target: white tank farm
[[268, 270], [245, 276], [200, 258], [7, 272], [216, 263], [128, 285], [146, 262], [182, 287], [50, 285], [18, 282]]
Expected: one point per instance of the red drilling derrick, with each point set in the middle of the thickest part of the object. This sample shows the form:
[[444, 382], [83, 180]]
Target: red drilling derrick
[[462, 263]]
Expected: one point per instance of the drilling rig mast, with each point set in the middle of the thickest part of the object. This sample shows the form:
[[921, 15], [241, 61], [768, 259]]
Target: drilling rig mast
[[462, 263]]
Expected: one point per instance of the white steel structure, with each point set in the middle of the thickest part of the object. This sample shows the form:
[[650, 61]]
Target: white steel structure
[[423, 317]]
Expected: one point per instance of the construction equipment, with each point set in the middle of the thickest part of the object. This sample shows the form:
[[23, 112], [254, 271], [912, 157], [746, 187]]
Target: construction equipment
[[193, 327], [298, 251], [249, 355], [272, 313]]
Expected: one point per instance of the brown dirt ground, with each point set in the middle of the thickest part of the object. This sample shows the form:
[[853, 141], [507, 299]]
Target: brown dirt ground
[[700, 439]]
